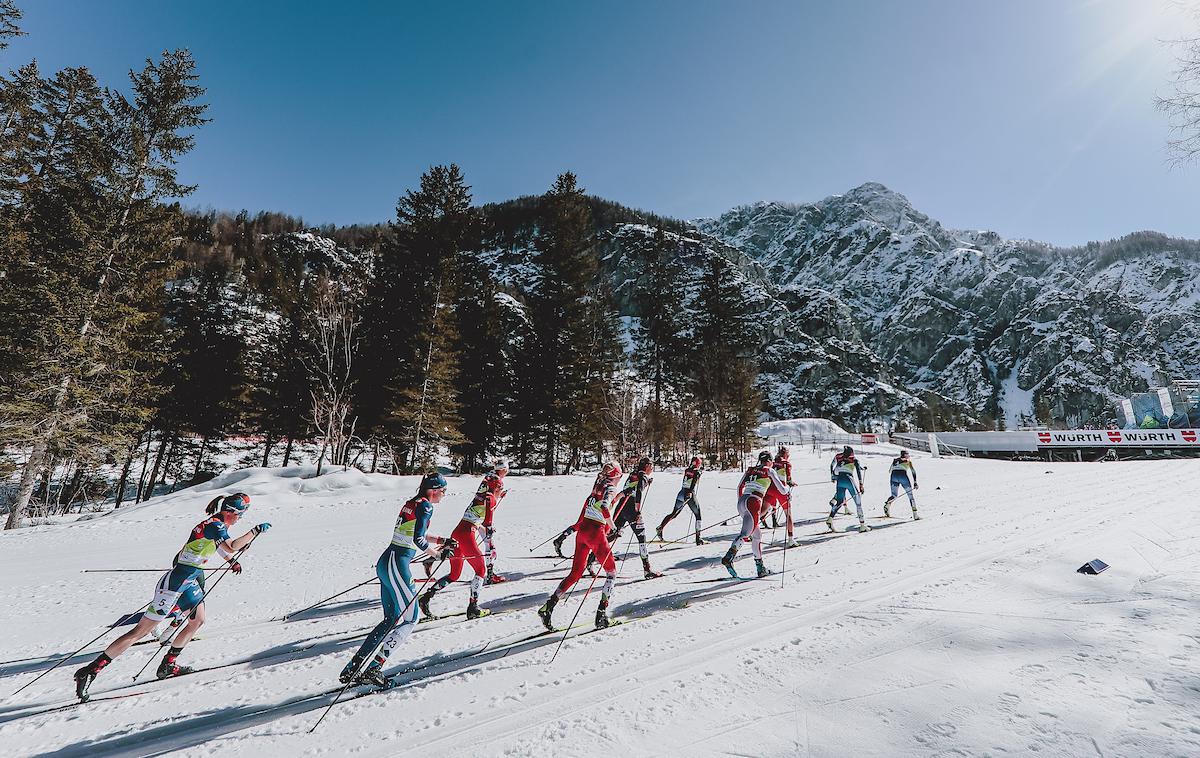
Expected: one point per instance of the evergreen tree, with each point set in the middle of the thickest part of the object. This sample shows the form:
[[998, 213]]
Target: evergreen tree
[[724, 382], [559, 305], [90, 212], [484, 383], [661, 356]]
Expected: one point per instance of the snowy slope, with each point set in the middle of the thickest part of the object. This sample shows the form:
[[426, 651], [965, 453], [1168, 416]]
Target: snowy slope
[[967, 633]]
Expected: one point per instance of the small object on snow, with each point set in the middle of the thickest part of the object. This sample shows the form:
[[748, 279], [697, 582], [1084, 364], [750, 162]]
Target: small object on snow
[[1094, 566]]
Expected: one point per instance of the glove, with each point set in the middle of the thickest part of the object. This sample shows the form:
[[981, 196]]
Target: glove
[[489, 532], [503, 493], [916, 486], [448, 547], [235, 567], [264, 526]]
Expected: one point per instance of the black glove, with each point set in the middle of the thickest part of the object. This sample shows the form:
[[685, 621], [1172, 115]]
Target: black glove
[[489, 532], [448, 547], [235, 567]]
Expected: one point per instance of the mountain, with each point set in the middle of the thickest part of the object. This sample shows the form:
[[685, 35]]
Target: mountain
[[1010, 328]]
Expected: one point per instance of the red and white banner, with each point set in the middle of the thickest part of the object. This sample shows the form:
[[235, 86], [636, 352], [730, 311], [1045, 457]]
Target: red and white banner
[[869, 439], [1119, 438]]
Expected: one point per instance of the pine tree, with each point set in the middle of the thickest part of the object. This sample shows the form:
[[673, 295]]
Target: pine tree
[[724, 382], [559, 304], [91, 214], [484, 384], [661, 354]]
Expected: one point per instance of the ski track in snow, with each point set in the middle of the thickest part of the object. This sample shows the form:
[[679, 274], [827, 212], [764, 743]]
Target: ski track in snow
[[966, 633]]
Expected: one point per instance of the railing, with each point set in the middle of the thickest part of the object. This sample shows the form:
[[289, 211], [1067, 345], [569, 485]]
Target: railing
[[921, 442]]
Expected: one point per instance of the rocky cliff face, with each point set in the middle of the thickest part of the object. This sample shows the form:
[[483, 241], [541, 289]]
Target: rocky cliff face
[[1014, 329]]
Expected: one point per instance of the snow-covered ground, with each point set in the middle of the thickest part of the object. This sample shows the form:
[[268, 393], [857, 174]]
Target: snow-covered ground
[[966, 633]]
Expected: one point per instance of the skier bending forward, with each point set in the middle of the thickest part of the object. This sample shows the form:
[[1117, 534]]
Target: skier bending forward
[[209, 537], [628, 510], [396, 588], [755, 483], [476, 522], [903, 475], [591, 538]]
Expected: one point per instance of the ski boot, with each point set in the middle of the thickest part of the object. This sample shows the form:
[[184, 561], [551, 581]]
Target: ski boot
[[168, 669], [373, 674], [700, 540], [423, 603], [915, 516], [86, 675], [862, 526], [494, 578], [351, 670], [792, 542], [829, 523], [558, 543], [650, 573], [546, 611], [473, 611], [602, 621], [845, 509], [727, 562], [774, 520], [658, 535], [887, 507], [760, 568]]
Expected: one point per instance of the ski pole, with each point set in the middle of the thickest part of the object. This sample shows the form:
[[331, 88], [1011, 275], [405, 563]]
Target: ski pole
[[69, 656], [186, 617], [705, 529], [287, 616], [573, 618], [130, 571], [368, 657], [535, 547]]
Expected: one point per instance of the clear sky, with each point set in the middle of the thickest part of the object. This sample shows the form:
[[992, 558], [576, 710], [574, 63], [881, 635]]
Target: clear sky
[[1034, 118]]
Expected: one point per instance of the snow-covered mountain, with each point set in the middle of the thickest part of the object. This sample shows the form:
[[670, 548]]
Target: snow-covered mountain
[[1007, 327]]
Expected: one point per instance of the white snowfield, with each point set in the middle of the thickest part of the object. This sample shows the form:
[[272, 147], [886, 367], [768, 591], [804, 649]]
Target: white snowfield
[[967, 633]]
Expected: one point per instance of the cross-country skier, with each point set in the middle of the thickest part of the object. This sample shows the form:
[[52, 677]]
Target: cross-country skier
[[591, 538], [776, 498], [754, 485], [844, 469], [687, 496], [600, 483], [628, 510], [474, 531], [209, 537], [903, 475], [396, 587]]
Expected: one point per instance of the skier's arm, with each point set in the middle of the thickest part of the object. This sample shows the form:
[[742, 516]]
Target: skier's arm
[[779, 485]]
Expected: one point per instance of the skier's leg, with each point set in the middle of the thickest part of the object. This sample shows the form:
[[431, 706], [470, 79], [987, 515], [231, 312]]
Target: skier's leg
[[579, 562], [679, 501], [407, 600], [694, 503], [189, 630], [606, 560], [755, 506]]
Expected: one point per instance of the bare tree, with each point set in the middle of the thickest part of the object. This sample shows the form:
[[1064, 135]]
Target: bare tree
[[1182, 105], [334, 329]]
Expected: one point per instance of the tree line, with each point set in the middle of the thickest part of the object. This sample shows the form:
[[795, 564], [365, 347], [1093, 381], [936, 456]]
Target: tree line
[[137, 338]]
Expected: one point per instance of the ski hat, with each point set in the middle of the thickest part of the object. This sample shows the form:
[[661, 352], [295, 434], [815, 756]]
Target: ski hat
[[432, 481], [501, 464], [847, 450], [782, 454], [764, 457], [644, 462], [612, 470], [238, 502], [697, 461], [903, 453]]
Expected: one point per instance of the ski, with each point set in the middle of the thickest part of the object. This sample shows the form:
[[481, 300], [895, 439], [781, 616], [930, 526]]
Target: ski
[[457, 614], [69, 706]]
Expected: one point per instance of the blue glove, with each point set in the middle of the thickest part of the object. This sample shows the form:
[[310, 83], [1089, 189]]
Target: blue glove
[[264, 526]]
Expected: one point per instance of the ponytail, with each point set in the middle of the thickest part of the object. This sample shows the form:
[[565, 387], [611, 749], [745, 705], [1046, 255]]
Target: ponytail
[[214, 505]]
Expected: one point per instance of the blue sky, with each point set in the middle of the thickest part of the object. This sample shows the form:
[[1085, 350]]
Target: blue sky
[[1034, 118]]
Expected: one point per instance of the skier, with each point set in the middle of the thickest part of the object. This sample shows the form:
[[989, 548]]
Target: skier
[[600, 483], [474, 528], [687, 496], [591, 538], [843, 470], [903, 475], [628, 510], [395, 581], [776, 498], [209, 537], [754, 485]]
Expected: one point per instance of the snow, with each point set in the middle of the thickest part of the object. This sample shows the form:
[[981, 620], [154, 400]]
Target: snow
[[967, 633], [1015, 403], [796, 428]]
